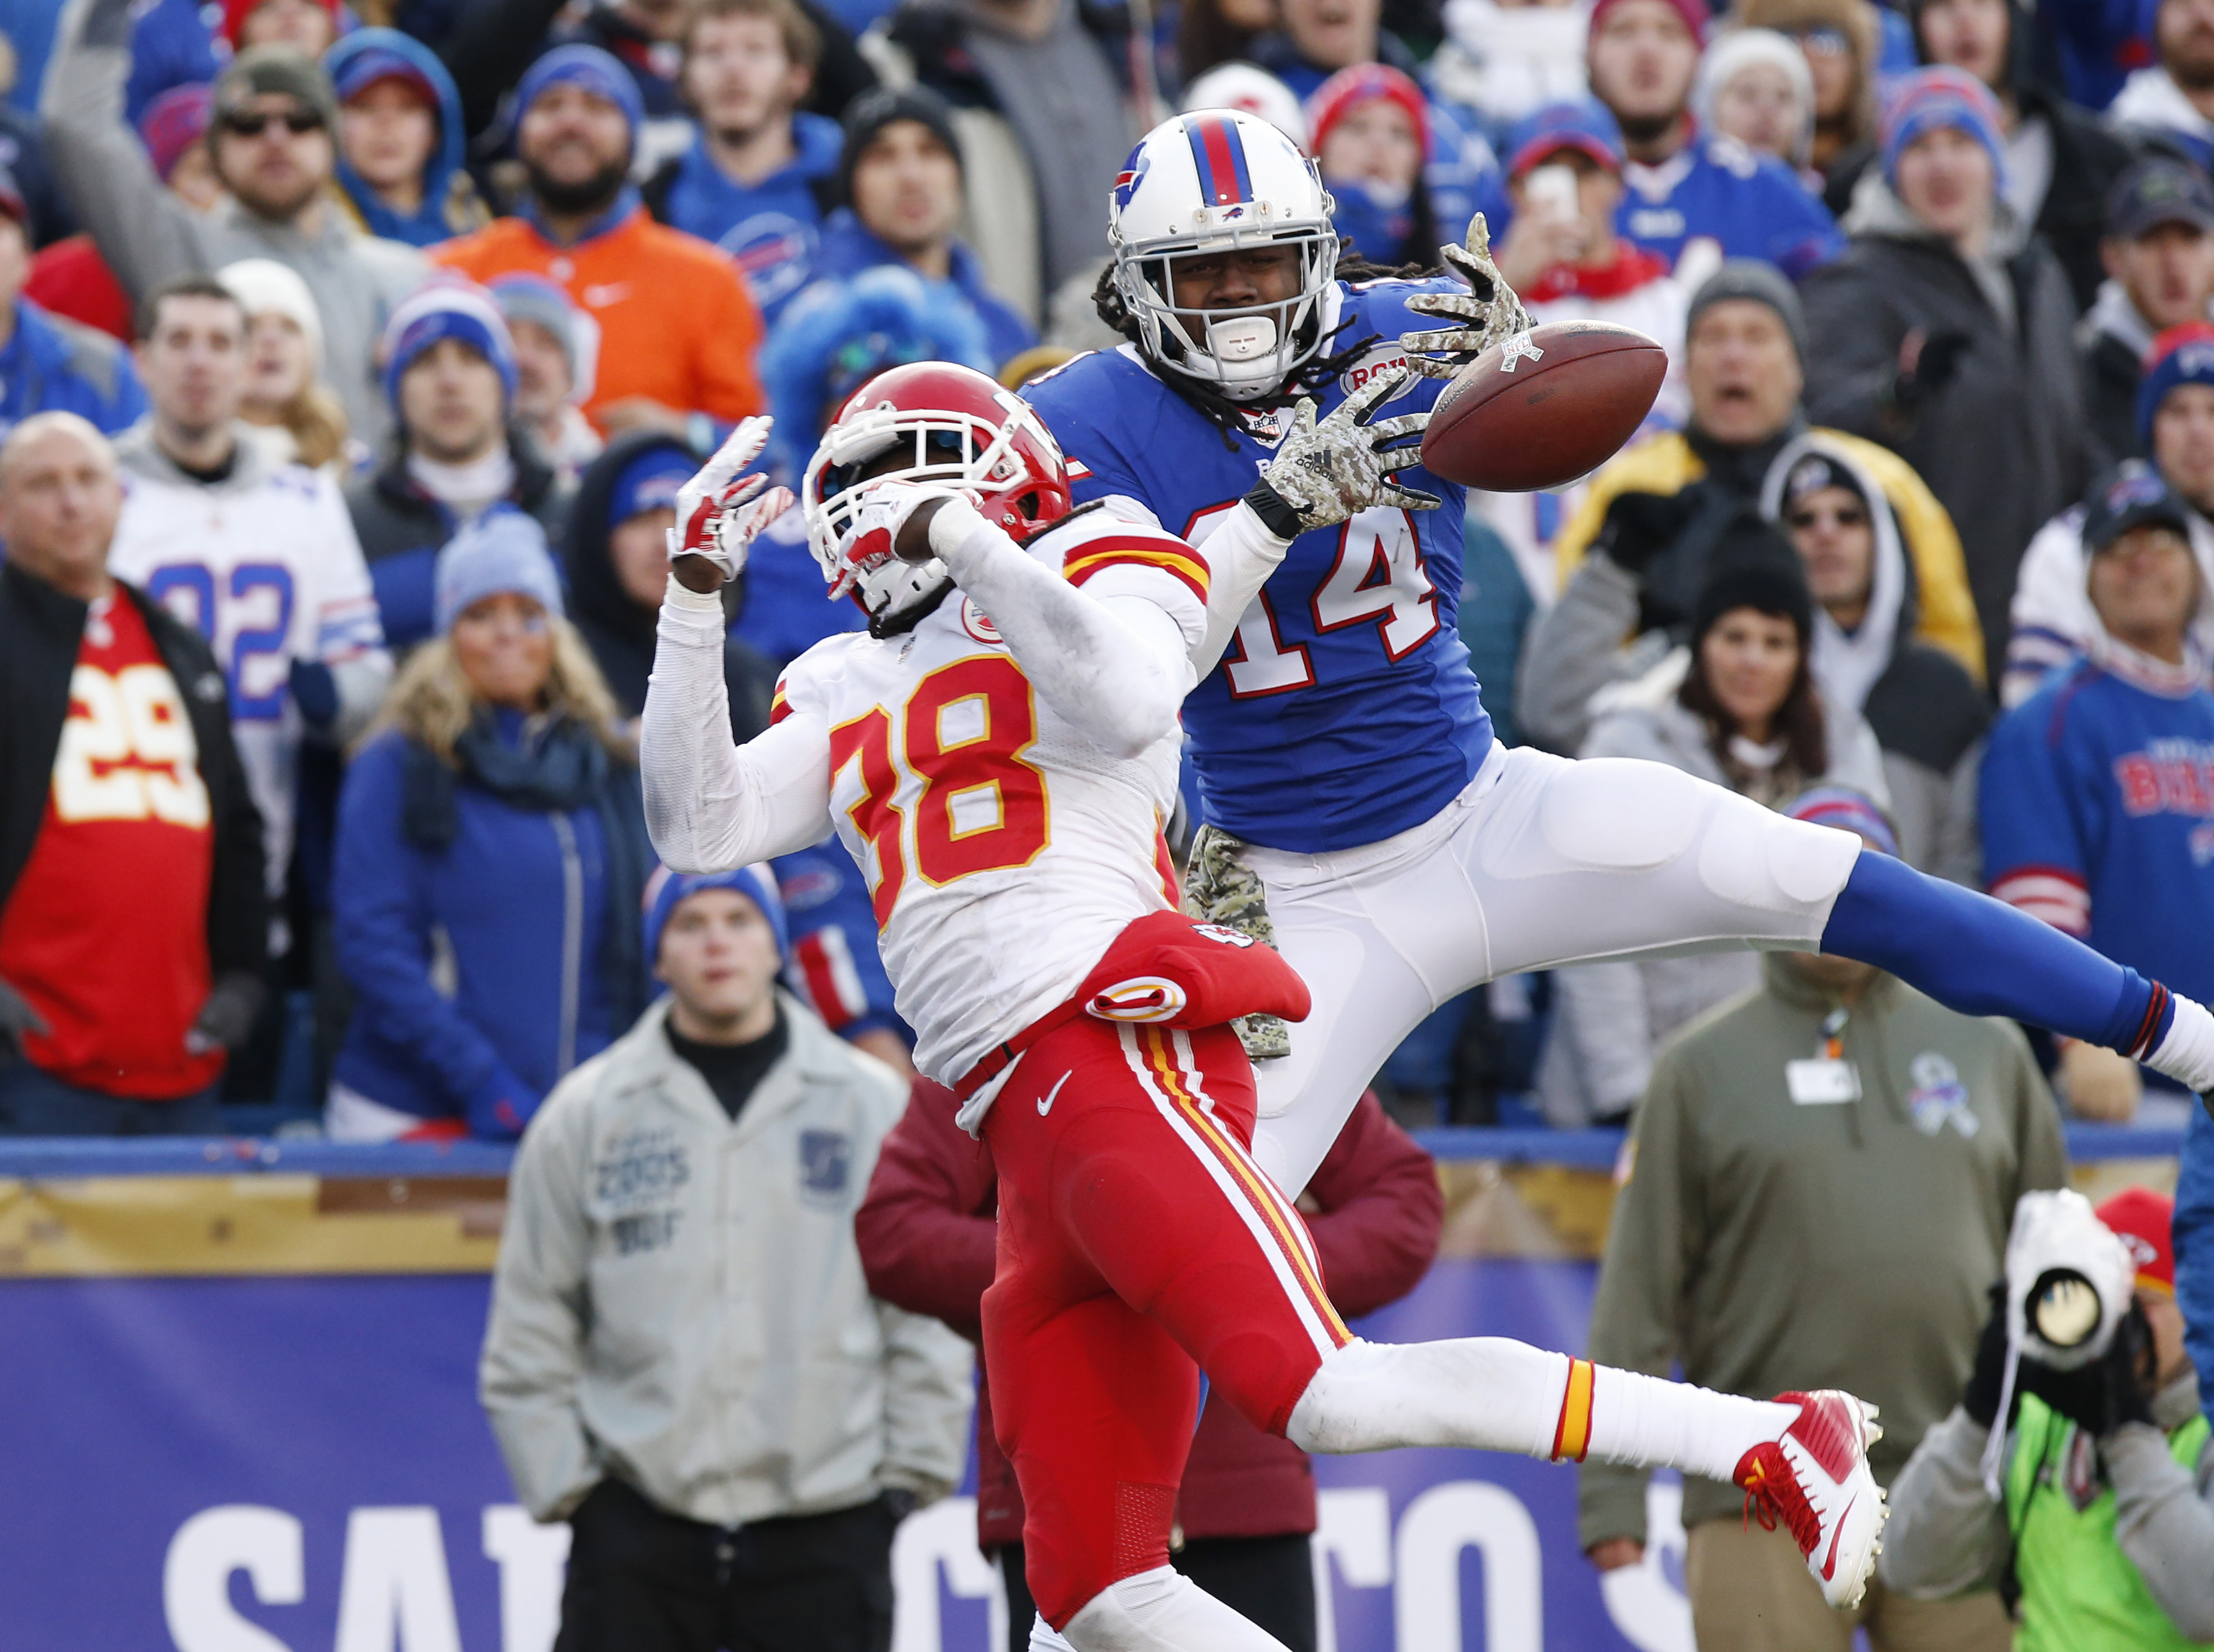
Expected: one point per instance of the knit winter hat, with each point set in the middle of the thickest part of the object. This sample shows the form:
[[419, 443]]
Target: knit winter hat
[[2182, 355], [448, 307], [262, 286], [1763, 283], [1694, 13], [236, 12], [870, 112], [1365, 82], [1815, 471], [597, 72], [1753, 566], [263, 69], [665, 890], [1930, 98], [369, 62], [1252, 90], [173, 123], [2144, 1221], [503, 550], [523, 296], [1847, 810], [649, 482], [1738, 49]]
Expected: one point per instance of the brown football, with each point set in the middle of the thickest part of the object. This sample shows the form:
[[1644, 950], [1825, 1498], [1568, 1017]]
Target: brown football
[[1545, 407]]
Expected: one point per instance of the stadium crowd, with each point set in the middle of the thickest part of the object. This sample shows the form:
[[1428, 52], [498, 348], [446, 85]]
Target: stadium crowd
[[383, 334]]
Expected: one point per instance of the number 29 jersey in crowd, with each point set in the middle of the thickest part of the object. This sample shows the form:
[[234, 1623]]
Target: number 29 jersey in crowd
[[1003, 850], [1345, 710]]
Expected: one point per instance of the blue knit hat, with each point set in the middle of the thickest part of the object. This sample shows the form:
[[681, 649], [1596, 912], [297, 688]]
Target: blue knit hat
[[598, 72], [665, 888], [2182, 355], [1584, 124], [447, 309], [503, 550], [1930, 98], [649, 482], [1847, 810]]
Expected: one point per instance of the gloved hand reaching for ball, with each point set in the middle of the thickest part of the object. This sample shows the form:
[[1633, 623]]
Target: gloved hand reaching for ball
[[1325, 471], [1490, 311], [720, 513]]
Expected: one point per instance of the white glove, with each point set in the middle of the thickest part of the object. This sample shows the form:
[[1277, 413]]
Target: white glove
[[1324, 473], [718, 518], [879, 520], [1490, 313]]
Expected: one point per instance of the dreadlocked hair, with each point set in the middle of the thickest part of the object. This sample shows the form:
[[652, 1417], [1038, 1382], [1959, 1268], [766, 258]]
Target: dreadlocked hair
[[1218, 409]]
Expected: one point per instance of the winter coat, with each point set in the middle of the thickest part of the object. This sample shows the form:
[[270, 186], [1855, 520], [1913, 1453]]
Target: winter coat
[[679, 1304], [2110, 345], [619, 632], [486, 950], [52, 365], [847, 248], [450, 205], [771, 228], [926, 1232], [2001, 444]]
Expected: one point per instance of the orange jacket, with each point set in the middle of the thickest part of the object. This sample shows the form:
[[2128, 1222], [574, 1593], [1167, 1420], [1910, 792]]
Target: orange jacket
[[676, 322]]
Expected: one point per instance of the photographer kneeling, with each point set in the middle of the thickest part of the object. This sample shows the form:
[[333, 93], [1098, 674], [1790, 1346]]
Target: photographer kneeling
[[2104, 1529]]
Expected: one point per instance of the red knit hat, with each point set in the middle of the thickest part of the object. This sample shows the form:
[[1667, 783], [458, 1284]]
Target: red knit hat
[[2142, 1220], [236, 12], [1365, 82], [1693, 12]]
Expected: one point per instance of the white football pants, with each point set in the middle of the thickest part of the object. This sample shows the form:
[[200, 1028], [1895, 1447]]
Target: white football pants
[[1539, 861]]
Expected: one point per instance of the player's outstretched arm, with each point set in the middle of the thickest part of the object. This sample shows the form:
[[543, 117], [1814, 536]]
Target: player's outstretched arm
[[1489, 314]]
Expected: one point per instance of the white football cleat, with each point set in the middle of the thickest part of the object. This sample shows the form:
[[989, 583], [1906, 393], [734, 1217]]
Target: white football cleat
[[1815, 1481]]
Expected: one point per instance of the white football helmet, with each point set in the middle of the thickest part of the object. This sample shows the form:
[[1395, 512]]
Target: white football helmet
[[1214, 181]]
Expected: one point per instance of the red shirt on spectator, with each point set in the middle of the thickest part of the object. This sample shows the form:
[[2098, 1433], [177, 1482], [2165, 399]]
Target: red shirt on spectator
[[106, 933], [70, 279], [676, 321]]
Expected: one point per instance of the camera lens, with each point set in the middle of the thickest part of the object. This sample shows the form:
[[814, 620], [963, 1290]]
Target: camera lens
[[2064, 1310]]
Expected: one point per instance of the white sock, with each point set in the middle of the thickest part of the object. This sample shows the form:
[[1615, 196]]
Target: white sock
[[2186, 1052], [1159, 1610], [1494, 1394]]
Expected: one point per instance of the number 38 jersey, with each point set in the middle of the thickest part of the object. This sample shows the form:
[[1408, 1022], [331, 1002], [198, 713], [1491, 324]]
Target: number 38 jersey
[[1003, 850], [1345, 709]]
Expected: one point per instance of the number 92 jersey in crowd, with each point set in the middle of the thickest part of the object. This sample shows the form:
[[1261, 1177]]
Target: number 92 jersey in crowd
[[1004, 850], [1345, 709]]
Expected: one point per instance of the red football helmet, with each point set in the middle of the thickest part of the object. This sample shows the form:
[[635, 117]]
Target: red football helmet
[[929, 422]]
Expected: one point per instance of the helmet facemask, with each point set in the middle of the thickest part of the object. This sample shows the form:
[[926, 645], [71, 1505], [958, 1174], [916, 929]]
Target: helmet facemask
[[1246, 353]]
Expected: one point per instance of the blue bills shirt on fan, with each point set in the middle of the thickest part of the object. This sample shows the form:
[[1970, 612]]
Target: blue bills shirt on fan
[[1345, 710], [1749, 205]]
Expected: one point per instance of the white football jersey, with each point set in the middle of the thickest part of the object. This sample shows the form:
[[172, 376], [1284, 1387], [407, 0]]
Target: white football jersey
[[1004, 850], [266, 566]]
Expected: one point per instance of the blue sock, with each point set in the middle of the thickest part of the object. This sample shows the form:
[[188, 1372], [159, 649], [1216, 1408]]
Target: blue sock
[[1982, 957]]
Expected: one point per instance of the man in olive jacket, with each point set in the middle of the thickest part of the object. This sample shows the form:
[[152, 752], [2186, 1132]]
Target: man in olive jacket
[[1836, 1139]]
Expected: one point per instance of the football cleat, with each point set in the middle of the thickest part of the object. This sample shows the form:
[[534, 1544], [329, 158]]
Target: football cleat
[[1814, 1480]]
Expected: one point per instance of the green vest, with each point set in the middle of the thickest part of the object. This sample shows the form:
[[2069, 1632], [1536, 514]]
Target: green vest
[[2080, 1592]]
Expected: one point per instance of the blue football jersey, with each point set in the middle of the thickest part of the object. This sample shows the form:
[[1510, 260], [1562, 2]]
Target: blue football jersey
[[1345, 710]]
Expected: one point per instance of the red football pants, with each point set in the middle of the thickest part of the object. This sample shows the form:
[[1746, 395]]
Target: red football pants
[[1136, 1236]]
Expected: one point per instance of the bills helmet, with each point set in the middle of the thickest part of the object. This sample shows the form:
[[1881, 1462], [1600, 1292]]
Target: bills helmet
[[1200, 186], [929, 421]]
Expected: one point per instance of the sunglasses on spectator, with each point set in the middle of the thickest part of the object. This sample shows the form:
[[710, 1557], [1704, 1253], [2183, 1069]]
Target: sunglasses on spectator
[[1822, 42], [1842, 517], [251, 123]]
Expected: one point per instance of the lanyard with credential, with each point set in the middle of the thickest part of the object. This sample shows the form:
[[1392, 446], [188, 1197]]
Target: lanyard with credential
[[1828, 1078]]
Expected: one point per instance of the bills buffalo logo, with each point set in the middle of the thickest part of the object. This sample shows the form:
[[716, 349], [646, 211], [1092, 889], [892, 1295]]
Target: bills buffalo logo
[[1938, 1098], [2138, 485], [1133, 174], [1140, 998]]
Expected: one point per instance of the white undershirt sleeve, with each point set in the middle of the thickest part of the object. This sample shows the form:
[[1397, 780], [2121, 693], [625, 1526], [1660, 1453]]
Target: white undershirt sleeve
[[1240, 554], [711, 805]]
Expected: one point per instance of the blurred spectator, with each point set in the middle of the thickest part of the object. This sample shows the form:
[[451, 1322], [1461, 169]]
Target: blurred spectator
[[835, 962], [1947, 337], [29, 26], [172, 47], [2173, 100], [2059, 162], [677, 331], [401, 143], [1210, 32], [2104, 1527], [1738, 707], [1252, 89], [1505, 57], [1652, 512], [49, 363], [644, 36], [2095, 801], [1927, 714], [1754, 85], [308, 27], [259, 558], [492, 853], [683, 1360], [1064, 122], [617, 560], [1246, 1506], [23, 153], [556, 357], [2158, 254], [2053, 619], [450, 372], [1563, 252], [753, 177], [286, 408], [133, 925], [1926, 1125], [900, 173], [69, 277], [1841, 41], [273, 146], [1370, 129], [1685, 185]]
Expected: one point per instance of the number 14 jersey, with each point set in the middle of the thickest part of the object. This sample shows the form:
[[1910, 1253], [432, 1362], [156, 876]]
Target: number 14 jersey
[[1004, 850]]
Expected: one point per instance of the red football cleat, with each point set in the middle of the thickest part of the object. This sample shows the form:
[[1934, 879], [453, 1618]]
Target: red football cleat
[[1814, 1480]]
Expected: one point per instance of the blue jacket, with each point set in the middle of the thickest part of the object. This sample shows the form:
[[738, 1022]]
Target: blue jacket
[[476, 968], [52, 365], [847, 249], [1751, 205], [171, 45], [450, 205], [2193, 1234], [771, 228]]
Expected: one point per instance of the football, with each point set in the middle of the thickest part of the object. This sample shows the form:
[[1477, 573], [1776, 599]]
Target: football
[[1545, 407]]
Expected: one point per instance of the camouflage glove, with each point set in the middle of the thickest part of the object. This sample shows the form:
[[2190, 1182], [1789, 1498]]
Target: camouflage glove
[[1324, 473], [1490, 313], [1218, 888]]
